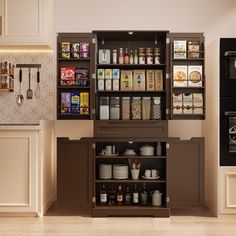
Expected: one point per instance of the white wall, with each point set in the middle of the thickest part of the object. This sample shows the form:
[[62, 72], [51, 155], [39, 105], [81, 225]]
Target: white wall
[[216, 18]]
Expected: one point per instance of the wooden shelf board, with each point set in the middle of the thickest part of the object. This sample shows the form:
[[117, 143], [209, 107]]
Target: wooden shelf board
[[131, 91], [125, 157], [73, 59], [73, 87], [130, 65], [130, 181], [115, 207], [188, 59]]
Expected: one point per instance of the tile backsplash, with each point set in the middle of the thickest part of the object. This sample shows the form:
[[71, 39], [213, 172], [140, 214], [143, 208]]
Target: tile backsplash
[[36, 109]]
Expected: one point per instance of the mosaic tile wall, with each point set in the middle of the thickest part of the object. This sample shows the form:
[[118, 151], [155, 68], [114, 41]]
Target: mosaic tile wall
[[36, 109]]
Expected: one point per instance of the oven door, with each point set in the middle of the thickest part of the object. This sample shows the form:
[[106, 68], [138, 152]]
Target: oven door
[[228, 133], [228, 68]]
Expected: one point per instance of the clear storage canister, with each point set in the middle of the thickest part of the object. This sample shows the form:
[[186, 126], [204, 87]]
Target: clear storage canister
[[156, 108], [115, 108], [104, 108]]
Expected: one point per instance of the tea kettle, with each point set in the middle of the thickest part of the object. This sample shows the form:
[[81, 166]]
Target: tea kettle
[[156, 198]]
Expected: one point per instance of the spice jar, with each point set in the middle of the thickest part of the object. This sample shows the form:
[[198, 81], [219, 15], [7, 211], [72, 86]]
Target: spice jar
[[157, 54], [149, 58], [141, 58], [135, 57], [114, 57]]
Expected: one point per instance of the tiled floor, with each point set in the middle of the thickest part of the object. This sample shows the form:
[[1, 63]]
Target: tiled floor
[[75, 225]]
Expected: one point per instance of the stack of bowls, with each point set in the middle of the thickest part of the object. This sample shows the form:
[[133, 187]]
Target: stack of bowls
[[105, 171], [120, 171]]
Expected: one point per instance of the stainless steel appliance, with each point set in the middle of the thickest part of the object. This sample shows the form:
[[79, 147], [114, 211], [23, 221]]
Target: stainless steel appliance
[[228, 102]]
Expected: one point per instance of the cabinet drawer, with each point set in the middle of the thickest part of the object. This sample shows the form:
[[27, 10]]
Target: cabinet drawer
[[132, 128]]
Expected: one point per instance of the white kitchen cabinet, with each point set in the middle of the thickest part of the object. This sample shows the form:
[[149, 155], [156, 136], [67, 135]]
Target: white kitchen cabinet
[[27, 169], [227, 190], [26, 22]]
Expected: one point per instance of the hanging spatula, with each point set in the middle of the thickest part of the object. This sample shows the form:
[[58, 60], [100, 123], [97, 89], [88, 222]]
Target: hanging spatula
[[29, 92]]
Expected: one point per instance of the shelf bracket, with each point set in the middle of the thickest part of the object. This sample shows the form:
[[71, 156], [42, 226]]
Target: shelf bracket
[[167, 199], [167, 76], [167, 40], [167, 146]]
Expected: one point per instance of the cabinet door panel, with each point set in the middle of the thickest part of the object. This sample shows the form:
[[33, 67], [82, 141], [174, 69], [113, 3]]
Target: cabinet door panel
[[74, 172], [23, 19], [185, 173]]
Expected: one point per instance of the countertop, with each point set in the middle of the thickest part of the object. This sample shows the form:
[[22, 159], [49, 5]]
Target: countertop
[[19, 127]]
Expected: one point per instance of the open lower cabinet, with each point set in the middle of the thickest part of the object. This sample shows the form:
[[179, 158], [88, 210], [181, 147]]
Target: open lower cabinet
[[103, 183]]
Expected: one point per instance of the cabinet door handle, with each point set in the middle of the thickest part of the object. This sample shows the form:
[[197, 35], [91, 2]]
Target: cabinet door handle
[[1, 25]]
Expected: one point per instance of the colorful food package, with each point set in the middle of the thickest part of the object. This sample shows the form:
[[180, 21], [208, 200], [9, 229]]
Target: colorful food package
[[84, 50], [67, 76], [180, 76], [156, 108], [194, 76], [65, 50], [136, 108], [66, 103], [116, 73], [101, 84], [146, 108], [125, 108], [82, 77], [126, 81], [187, 103], [108, 73], [193, 49], [84, 103], [150, 78], [115, 108], [180, 49], [75, 103], [158, 80], [100, 73], [139, 80], [177, 103], [198, 103], [108, 84], [75, 50], [116, 84]]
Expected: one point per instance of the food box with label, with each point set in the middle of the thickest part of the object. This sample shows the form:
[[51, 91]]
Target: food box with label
[[195, 76], [180, 76], [65, 103], [108, 73], [136, 108], [139, 80], [108, 84], [101, 84], [177, 103], [158, 80], [126, 81], [84, 103], [197, 103], [180, 49], [193, 49], [75, 103], [150, 78], [67, 76], [187, 103], [100, 73]]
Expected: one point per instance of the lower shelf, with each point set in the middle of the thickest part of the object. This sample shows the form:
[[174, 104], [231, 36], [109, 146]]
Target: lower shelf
[[105, 211]]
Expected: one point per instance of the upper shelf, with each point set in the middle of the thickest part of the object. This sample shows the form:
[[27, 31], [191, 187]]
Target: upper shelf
[[130, 65]]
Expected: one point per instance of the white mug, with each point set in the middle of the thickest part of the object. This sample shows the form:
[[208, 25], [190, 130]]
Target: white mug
[[108, 150], [154, 173], [147, 173]]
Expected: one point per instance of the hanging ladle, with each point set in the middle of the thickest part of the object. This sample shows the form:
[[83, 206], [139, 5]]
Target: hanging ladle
[[29, 92], [20, 98]]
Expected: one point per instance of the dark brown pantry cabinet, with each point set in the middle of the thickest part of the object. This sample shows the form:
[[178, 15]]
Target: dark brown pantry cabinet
[[130, 83]]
